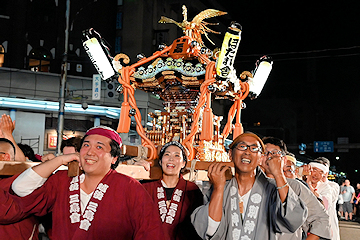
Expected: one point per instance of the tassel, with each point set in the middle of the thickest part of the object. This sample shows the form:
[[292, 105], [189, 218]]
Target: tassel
[[237, 130], [207, 132], [125, 120]]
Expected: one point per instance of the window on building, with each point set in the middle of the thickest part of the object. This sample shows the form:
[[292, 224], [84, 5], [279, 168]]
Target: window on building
[[119, 20], [4, 13], [161, 36], [118, 45], [39, 59], [2, 55]]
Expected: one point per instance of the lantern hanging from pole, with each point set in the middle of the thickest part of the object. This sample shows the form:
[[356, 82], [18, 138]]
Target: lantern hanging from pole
[[98, 53], [261, 74]]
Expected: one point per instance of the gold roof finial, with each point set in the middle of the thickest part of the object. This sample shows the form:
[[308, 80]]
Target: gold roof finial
[[197, 26]]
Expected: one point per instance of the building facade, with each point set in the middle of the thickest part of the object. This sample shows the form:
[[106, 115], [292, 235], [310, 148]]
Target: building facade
[[32, 50]]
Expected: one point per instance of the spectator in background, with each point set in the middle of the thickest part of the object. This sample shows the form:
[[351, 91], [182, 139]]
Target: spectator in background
[[356, 202], [28, 152], [341, 201], [70, 145], [348, 193]]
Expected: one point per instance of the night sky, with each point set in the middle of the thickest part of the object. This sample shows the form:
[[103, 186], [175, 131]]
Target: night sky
[[313, 90]]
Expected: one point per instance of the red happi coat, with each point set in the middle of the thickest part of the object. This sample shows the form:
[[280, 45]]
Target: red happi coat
[[119, 208], [176, 219], [13, 225]]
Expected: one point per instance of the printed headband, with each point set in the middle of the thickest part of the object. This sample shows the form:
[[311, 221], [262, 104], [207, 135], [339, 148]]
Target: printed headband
[[179, 145], [320, 166], [106, 132]]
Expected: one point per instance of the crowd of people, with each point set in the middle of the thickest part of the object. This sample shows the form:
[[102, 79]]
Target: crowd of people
[[269, 197], [348, 202]]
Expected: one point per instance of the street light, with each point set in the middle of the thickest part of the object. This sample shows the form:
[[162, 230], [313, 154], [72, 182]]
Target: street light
[[64, 71], [63, 82]]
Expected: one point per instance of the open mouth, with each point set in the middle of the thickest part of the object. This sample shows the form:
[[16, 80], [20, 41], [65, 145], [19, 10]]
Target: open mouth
[[245, 160], [170, 165], [89, 161]]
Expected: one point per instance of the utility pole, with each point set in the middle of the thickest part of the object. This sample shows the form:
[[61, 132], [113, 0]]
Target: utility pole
[[63, 82]]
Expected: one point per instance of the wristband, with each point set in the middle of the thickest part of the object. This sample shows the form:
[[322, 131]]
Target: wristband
[[278, 188]]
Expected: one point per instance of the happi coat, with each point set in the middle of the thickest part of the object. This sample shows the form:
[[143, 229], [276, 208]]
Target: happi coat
[[330, 196], [13, 223], [119, 208], [317, 222], [334, 222], [265, 213], [176, 219]]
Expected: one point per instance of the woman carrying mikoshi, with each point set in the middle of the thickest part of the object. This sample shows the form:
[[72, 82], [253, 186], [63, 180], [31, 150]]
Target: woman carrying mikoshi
[[175, 197]]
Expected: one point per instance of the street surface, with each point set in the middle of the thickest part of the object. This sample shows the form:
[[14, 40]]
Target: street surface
[[349, 230]]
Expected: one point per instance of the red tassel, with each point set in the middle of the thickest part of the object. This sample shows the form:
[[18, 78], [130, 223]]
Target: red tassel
[[125, 120], [237, 130], [207, 132]]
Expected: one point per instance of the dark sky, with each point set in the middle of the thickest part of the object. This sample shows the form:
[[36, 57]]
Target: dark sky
[[312, 92], [315, 79]]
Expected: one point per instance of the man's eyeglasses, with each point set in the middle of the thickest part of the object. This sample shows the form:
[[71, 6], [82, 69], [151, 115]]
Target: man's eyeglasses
[[252, 148], [289, 171], [274, 152]]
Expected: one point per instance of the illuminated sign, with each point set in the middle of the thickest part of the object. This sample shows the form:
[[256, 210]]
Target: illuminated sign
[[323, 146], [96, 88]]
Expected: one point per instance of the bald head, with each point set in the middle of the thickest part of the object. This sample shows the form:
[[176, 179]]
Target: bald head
[[7, 150]]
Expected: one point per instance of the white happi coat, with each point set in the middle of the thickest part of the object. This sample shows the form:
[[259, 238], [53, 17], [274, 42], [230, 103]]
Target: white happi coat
[[265, 213], [317, 222], [335, 189]]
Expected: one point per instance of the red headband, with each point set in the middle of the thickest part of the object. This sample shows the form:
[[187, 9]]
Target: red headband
[[106, 132]]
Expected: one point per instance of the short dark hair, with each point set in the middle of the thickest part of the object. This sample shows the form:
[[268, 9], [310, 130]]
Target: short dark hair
[[275, 141], [71, 142], [8, 141], [322, 160], [173, 143], [177, 144], [114, 152], [28, 152]]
